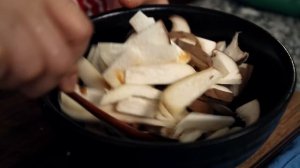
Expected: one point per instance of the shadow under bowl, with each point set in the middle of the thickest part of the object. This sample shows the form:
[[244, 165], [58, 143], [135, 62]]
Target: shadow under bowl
[[272, 83]]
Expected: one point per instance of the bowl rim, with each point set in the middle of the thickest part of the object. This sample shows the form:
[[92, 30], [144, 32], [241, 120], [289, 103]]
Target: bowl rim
[[129, 142]]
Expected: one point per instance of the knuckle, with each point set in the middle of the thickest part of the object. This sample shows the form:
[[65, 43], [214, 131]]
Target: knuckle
[[61, 67], [83, 32], [34, 70]]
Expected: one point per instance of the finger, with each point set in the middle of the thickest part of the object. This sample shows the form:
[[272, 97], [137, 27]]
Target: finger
[[39, 87], [69, 81], [36, 45], [3, 62], [23, 59], [156, 1], [58, 54], [131, 3], [136, 3], [73, 23], [46, 83], [59, 60]]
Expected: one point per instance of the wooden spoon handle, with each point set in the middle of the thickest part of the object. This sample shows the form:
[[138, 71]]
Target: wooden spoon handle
[[120, 125]]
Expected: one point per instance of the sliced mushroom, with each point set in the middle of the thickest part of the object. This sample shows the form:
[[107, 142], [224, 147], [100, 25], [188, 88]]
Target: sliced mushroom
[[249, 112], [91, 55], [246, 72], [235, 89], [207, 45], [152, 56], [131, 35], [89, 75], [233, 50], [221, 109], [179, 24], [143, 54], [109, 52], [219, 92], [203, 122], [199, 58], [234, 129], [157, 74], [183, 57], [74, 110], [114, 74], [109, 109], [221, 45], [190, 43], [178, 96], [154, 46], [127, 90], [190, 136], [159, 116], [218, 133], [91, 94], [154, 34], [138, 106], [94, 57], [168, 133], [183, 36], [161, 54], [201, 107], [140, 21], [164, 112], [224, 64], [231, 79], [228, 67]]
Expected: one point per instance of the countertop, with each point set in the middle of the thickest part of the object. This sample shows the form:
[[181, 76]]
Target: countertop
[[285, 29]]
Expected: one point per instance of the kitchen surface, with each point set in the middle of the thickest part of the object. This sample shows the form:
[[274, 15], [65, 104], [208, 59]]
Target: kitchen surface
[[28, 140]]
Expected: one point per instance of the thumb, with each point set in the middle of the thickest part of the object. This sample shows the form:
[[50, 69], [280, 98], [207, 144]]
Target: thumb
[[69, 81]]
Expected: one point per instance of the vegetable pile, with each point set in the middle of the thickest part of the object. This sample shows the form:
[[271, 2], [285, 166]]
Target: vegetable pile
[[171, 83]]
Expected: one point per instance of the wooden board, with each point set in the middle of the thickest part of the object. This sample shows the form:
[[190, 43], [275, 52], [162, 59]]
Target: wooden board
[[286, 131]]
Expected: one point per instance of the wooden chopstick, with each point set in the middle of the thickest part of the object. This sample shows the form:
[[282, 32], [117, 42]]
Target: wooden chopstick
[[119, 125]]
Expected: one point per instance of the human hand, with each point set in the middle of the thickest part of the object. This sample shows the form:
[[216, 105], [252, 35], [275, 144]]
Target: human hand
[[135, 3], [94, 7], [40, 43]]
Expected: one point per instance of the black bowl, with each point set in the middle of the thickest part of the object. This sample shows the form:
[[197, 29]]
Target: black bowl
[[272, 83]]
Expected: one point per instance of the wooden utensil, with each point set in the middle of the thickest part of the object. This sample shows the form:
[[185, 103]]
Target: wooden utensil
[[123, 127]]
